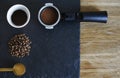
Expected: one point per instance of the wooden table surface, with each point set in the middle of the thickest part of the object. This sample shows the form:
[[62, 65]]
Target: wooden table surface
[[100, 43]]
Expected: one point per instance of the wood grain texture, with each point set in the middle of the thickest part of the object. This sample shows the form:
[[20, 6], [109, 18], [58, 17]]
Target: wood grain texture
[[100, 43]]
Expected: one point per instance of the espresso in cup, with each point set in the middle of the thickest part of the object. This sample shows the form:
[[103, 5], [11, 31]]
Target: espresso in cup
[[18, 16], [49, 16]]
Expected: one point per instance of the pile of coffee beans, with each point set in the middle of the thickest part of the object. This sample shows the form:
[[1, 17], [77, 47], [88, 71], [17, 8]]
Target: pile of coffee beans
[[19, 45]]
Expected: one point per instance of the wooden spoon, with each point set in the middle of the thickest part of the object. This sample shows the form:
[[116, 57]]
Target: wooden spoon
[[18, 69]]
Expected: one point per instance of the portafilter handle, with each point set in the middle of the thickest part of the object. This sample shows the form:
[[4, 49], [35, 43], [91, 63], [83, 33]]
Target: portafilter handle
[[100, 16]]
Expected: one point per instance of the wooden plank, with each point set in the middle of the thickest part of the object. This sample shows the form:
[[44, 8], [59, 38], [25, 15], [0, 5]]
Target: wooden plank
[[100, 43]]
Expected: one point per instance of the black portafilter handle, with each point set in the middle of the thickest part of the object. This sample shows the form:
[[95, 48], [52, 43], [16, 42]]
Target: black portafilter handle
[[100, 16]]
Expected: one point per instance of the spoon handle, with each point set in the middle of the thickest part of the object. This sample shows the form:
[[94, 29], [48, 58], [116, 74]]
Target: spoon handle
[[6, 69]]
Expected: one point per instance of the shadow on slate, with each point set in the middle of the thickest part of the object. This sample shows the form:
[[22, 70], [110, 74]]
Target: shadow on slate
[[54, 54]]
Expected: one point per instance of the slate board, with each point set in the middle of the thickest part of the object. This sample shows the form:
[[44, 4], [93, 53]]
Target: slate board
[[54, 54]]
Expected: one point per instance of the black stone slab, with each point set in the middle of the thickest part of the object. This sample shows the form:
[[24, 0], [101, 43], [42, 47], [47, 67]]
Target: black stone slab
[[54, 53]]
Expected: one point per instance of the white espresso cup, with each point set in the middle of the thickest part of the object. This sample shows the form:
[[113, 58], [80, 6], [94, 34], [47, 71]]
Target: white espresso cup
[[47, 5], [15, 8]]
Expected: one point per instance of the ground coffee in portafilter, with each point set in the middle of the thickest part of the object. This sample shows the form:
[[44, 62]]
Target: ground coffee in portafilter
[[49, 15], [19, 17]]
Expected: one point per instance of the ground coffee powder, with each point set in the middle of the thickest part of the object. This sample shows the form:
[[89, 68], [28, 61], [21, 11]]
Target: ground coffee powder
[[49, 15]]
